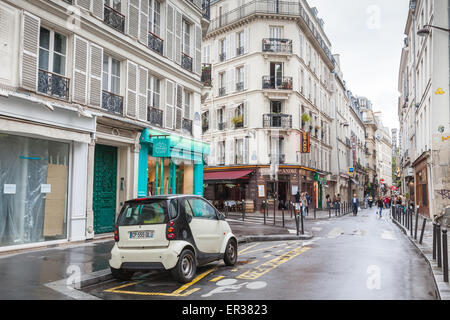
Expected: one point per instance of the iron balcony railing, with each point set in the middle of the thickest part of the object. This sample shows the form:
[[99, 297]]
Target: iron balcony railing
[[206, 74], [277, 45], [282, 121], [114, 18], [53, 84], [265, 7], [187, 125], [240, 51], [155, 116], [206, 6], [68, 1], [222, 92], [277, 83], [186, 61], [112, 102], [155, 43], [240, 86], [222, 57], [221, 126]]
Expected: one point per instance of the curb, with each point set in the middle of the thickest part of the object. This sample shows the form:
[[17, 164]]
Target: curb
[[405, 231], [249, 239]]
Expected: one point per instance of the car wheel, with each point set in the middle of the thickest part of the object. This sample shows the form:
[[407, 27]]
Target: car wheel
[[231, 254], [120, 274], [186, 267]]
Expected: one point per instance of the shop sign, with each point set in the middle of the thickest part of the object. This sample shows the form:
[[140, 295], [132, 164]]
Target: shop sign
[[305, 142], [161, 148]]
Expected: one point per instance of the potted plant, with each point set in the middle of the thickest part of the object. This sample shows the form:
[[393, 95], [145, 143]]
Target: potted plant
[[238, 121]]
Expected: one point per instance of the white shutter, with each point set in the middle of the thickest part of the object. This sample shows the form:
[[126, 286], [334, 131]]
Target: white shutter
[[215, 53], [246, 71], [246, 151], [198, 48], [142, 93], [169, 104], [213, 120], [29, 51], [133, 18], [227, 48], [98, 8], [132, 73], [179, 107], [246, 40], [85, 4], [230, 78], [170, 19], [80, 70], [245, 113], [95, 75], [178, 36], [143, 22], [229, 115], [232, 46]]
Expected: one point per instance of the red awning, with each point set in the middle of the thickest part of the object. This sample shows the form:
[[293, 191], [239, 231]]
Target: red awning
[[226, 175]]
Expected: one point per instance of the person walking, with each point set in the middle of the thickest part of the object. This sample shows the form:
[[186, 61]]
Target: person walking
[[308, 202], [355, 204], [303, 204], [338, 208], [380, 206], [328, 201], [370, 202]]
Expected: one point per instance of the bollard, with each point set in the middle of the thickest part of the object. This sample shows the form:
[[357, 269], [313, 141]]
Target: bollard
[[438, 245], [423, 230], [434, 241], [329, 211], [243, 210], [303, 229], [274, 210], [411, 224], [265, 212], [315, 212], [445, 254], [282, 214], [417, 225]]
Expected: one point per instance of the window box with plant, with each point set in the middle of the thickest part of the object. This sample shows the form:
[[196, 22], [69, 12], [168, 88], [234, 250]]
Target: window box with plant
[[238, 121], [305, 119]]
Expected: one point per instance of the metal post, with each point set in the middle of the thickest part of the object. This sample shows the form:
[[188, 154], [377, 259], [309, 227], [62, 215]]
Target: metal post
[[282, 213], [445, 254], [417, 225], [274, 210], [315, 212], [265, 211], [329, 212], [303, 230], [297, 223], [243, 210], [438, 245], [423, 230], [434, 241]]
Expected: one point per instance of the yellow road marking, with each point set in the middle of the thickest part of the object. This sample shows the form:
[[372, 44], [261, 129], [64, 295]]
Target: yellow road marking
[[266, 267], [248, 248], [266, 248], [217, 279]]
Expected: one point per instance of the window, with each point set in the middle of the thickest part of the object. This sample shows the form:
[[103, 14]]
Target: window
[[115, 4], [186, 32], [222, 84], [154, 17], [52, 51], [202, 209], [241, 43], [276, 32], [154, 91], [221, 153], [239, 149], [144, 214], [111, 75], [240, 79]]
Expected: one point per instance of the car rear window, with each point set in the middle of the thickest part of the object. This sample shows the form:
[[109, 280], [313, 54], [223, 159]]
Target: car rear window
[[148, 213]]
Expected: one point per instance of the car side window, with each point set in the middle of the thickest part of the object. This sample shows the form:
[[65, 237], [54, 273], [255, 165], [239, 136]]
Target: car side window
[[202, 209], [187, 208]]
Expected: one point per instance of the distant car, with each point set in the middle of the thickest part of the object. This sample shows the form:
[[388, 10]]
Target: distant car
[[174, 232]]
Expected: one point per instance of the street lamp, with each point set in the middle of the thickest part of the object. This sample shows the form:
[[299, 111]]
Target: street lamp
[[426, 30]]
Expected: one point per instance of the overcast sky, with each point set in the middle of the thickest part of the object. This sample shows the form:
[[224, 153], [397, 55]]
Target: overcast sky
[[368, 35]]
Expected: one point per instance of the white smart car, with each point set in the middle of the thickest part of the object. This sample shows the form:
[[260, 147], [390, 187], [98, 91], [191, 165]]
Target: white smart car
[[173, 232]]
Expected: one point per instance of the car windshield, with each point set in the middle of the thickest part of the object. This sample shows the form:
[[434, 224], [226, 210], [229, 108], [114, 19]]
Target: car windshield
[[147, 213]]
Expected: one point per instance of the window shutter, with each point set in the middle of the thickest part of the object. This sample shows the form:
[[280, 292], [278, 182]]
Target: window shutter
[[198, 52], [133, 18], [231, 46], [85, 4], [169, 32], [169, 104], [80, 68], [215, 54], [246, 70], [142, 93], [95, 75], [228, 117], [246, 40], [29, 51], [213, 119], [132, 73], [98, 8], [143, 22], [246, 151], [230, 78], [179, 107], [245, 114], [216, 84], [179, 37]]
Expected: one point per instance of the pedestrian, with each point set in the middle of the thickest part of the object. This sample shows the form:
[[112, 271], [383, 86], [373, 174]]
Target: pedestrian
[[308, 202], [339, 203], [370, 202], [303, 204], [297, 197], [355, 204], [366, 201], [380, 205], [386, 202], [328, 201]]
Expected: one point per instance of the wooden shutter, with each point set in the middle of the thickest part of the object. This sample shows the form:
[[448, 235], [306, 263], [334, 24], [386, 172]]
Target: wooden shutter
[[232, 46], [29, 54], [143, 22], [179, 37], [98, 8], [80, 70], [229, 115], [246, 151], [245, 114], [85, 4], [170, 19], [246, 40], [169, 104], [198, 50], [132, 73], [231, 87], [215, 53], [179, 107], [95, 75], [246, 71], [133, 18], [213, 119], [142, 93]]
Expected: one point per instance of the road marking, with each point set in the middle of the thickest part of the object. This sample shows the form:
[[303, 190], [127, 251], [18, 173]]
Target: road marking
[[266, 248], [316, 229], [217, 279], [266, 267], [248, 248], [388, 235], [336, 232]]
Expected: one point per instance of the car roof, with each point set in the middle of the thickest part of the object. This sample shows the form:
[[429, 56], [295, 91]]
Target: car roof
[[165, 197]]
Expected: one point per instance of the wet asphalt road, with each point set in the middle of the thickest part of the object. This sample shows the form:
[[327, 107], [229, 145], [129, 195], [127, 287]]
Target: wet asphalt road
[[350, 258]]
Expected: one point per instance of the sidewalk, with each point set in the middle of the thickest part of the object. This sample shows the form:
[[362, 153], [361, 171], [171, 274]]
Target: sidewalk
[[43, 274], [426, 249]]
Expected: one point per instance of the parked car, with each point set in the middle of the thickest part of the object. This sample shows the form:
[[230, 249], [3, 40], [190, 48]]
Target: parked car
[[173, 232]]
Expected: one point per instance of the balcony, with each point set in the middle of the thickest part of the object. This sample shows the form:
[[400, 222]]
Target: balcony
[[187, 125], [277, 45], [53, 84], [222, 57], [206, 6], [276, 83], [221, 126], [282, 121], [240, 86], [206, 74], [112, 102], [155, 116], [114, 18], [240, 51], [155, 43], [186, 61], [222, 91]]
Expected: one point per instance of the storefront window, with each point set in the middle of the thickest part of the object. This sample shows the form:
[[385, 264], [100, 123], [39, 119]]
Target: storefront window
[[33, 184]]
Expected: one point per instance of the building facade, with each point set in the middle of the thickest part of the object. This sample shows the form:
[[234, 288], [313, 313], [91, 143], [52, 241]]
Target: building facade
[[88, 90]]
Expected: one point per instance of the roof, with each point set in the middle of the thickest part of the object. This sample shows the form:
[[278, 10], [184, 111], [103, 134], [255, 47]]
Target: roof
[[165, 197]]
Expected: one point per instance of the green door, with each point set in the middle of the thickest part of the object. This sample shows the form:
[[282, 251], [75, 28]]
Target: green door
[[105, 177]]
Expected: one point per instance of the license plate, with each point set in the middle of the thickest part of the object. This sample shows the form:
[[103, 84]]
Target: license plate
[[141, 234]]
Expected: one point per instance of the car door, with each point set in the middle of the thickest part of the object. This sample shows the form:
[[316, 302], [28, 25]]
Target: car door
[[205, 226]]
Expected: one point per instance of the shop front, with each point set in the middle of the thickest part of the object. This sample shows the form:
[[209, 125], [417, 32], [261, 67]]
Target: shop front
[[421, 180], [170, 164]]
